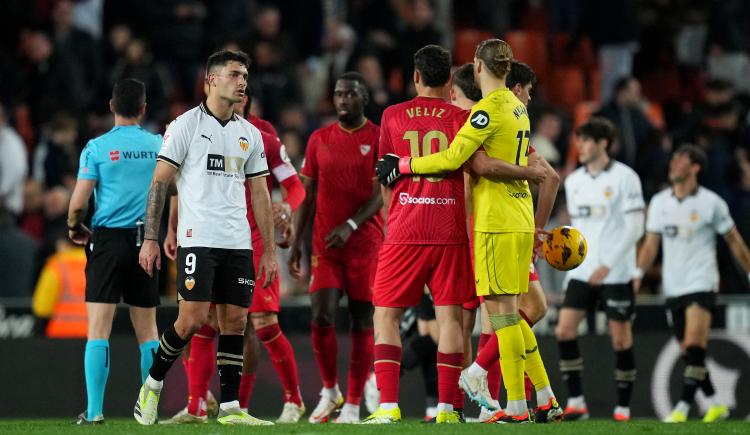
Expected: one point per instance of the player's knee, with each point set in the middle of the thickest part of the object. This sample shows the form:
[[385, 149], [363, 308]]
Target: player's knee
[[323, 318], [361, 323], [261, 320], [622, 342], [564, 332]]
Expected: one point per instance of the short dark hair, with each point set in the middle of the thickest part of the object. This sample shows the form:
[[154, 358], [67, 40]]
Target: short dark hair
[[463, 78], [520, 74], [128, 96], [434, 64], [621, 84], [598, 128], [221, 57], [695, 154], [356, 77]]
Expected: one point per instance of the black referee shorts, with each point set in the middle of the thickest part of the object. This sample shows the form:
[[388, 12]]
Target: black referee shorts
[[113, 272]]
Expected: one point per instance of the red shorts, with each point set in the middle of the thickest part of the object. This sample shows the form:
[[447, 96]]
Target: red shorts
[[474, 303], [352, 275], [265, 300], [403, 271]]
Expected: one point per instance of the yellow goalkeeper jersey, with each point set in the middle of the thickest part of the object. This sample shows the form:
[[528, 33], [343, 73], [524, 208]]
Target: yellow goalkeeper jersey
[[499, 123]]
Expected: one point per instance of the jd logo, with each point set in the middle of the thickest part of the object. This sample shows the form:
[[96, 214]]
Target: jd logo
[[480, 119]]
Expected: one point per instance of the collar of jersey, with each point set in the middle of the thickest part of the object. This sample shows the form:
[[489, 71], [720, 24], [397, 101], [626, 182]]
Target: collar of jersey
[[606, 168], [352, 130], [205, 109], [693, 193]]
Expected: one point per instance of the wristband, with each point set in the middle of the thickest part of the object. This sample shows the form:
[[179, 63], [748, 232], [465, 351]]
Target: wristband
[[404, 165], [352, 224], [638, 273]]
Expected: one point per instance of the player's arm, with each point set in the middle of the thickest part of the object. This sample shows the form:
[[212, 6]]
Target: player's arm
[[339, 235], [261, 205], [486, 166], [547, 193], [292, 194], [77, 209], [301, 220], [739, 249], [646, 256], [386, 193], [157, 195], [630, 233]]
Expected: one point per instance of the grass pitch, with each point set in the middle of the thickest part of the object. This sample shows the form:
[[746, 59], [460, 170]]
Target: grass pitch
[[129, 426]]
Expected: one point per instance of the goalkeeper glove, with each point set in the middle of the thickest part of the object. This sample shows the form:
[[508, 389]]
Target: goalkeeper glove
[[390, 167]]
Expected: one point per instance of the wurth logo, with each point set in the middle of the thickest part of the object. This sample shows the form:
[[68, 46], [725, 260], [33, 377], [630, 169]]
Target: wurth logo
[[114, 155]]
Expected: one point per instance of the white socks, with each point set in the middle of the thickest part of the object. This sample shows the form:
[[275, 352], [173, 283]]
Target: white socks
[[544, 395], [445, 407], [577, 402], [476, 370], [389, 406]]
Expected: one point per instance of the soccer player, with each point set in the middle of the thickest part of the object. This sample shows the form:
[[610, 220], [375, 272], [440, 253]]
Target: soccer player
[[215, 152], [347, 233], [503, 217], [688, 216], [426, 242], [483, 378], [606, 204], [263, 325], [116, 167]]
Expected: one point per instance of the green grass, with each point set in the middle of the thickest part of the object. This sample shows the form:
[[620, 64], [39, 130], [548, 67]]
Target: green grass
[[128, 426]]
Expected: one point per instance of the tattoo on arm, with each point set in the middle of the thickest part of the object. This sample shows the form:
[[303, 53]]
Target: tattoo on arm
[[157, 194]]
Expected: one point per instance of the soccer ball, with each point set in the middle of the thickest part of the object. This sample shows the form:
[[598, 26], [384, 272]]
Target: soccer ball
[[565, 248]]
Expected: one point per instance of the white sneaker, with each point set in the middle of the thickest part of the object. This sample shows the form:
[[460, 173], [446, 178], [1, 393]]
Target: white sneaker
[[147, 405], [485, 414], [234, 415], [327, 405], [184, 417], [349, 414], [476, 388], [372, 394], [291, 413]]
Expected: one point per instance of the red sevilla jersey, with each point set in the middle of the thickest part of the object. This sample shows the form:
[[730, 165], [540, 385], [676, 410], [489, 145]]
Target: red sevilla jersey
[[262, 125], [424, 210], [343, 164], [280, 167]]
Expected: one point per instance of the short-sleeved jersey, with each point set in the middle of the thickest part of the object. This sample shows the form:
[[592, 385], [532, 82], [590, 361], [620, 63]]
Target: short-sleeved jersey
[[597, 206], [214, 158], [281, 168], [343, 164], [500, 124], [122, 162], [688, 229], [424, 210], [262, 125]]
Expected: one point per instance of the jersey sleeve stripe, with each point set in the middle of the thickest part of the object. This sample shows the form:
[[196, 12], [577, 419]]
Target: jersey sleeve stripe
[[257, 174], [633, 210], [168, 160], [282, 172]]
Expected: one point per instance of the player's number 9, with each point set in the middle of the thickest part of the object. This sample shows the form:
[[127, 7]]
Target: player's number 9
[[190, 263], [413, 137]]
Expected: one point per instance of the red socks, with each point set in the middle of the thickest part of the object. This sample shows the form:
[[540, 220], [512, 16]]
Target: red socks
[[282, 357], [359, 364], [449, 369], [493, 370], [326, 350], [489, 354], [387, 371], [247, 382], [200, 369]]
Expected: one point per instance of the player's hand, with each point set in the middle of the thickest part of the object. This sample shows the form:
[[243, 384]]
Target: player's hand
[[287, 234], [170, 244], [597, 278], [537, 173], [295, 255], [282, 214], [636, 285], [150, 254], [539, 236], [80, 235], [338, 237], [268, 267], [389, 168]]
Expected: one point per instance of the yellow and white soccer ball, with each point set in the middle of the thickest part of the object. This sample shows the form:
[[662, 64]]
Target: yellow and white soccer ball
[[565, 248]]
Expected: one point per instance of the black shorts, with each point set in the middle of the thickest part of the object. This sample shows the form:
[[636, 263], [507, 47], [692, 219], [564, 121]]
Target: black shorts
[[426, 308], [676, 309], [221, 276], [113, 272], [616, 300]]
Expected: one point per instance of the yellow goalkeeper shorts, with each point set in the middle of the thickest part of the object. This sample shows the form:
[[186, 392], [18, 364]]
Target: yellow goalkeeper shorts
[[501, 262]]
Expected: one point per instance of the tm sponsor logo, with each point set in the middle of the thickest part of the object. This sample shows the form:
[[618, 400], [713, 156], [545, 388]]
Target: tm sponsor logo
[[404, 198]]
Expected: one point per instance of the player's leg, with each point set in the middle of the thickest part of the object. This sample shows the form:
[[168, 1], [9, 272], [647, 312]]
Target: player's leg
[[425, 348], [268, 331], [579, 298], [324, 303], [469, 317], [534, 302], [619, 300], [96, 358], [360, 359], [144, 325], [250, 360], [387, 355], [482, 378], [141, 292], [450, 356]]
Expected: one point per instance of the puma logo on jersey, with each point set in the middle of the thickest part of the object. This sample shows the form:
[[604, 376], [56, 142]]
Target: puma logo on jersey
[[207, 137]]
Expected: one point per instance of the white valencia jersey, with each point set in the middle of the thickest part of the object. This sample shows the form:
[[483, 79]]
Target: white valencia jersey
[[688, 230], [597, 206], [213, 161]]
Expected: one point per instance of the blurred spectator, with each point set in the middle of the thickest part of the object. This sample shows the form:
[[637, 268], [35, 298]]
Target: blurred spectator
[[32, 218], [728, 42], [268, 29], [54, 160], [369, 66], [119, 37], [227, 21], [53, 79], [13, 167], [87, 16], [59, 297], [55, 219], [17, 258], [273, 80], [79, 45], [547, 129], [419, 32], [295, 146], [138, 63]]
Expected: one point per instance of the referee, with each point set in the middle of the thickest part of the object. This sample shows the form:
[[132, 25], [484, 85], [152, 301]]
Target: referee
[[117, 167]]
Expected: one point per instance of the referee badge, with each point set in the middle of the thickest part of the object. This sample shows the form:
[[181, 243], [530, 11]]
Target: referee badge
[[244, 144], [189, 282]]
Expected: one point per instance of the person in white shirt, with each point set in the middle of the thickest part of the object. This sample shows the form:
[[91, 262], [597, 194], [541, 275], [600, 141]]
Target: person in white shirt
[[688, 217], [212, 152], [13, 167], [605, 203]]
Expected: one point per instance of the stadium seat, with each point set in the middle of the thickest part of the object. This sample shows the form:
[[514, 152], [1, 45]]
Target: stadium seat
[[566, 86], [466, 44], [531, 49]]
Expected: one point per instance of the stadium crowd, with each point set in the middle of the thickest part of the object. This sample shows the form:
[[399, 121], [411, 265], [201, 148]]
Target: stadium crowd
[[665, 72]]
